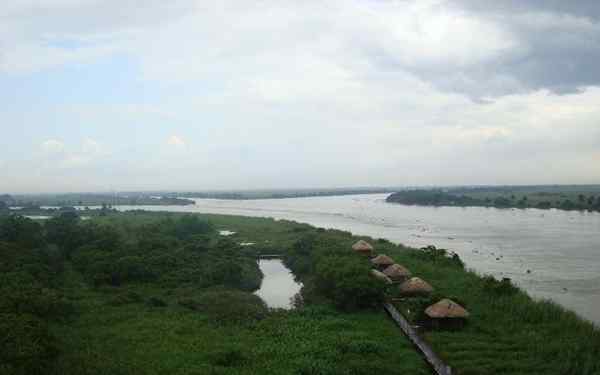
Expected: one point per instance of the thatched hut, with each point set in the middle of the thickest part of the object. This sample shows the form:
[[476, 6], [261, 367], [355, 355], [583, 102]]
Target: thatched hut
[[363, 247], [415, 286], [381, 276], [446, 314], [382, 262], [397, 273]]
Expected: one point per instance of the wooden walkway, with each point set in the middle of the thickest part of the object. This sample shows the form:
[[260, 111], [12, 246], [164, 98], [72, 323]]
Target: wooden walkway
[[436, 362]]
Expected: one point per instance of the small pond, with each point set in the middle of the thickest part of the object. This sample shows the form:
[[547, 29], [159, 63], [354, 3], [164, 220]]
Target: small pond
[[278, 285]]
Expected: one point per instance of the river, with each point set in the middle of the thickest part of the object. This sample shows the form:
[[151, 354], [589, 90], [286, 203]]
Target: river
[[550, 253], [278, 286]]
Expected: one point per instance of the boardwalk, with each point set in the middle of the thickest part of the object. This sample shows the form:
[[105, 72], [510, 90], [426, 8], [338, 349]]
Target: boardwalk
[[436, 362]]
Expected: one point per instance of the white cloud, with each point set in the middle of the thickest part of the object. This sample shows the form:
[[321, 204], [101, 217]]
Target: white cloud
[[92, 147], [289, 91], [176, 141], [53, 146]]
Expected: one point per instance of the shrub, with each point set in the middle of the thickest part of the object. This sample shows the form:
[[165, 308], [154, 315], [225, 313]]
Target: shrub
[[227, 357], [27, 347], [226, 306], [156, 302], [495, 287], [347, 282], [124, 299]]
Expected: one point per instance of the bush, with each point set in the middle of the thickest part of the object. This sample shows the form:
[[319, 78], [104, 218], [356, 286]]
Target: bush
[[226, 306], [435, 254], [347, 281], [21, 294], [124, 299], [227, 357], [495, 287], [360, 347], [156, 302], [26, 347], [22, 231]]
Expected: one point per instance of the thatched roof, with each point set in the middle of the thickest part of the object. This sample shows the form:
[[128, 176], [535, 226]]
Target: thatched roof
[[446, 308], [382, 260], [381, 276], [396, 271], [415, 285], [362, 247]]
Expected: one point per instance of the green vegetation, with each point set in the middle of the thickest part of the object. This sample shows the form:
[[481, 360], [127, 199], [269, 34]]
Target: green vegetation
[[281, 193], [154, 293], [93, 199], [543, 197], [164, 293]]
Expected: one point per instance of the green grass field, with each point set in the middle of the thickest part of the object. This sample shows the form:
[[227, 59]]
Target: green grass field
[[143, 327]]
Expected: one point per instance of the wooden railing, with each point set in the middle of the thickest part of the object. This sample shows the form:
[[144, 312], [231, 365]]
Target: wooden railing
[[432, 358]]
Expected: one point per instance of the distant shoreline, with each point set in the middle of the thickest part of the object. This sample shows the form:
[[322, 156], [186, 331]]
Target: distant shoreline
[[505, 197]]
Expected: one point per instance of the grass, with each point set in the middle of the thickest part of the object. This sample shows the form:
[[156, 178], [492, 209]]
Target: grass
[[118, 331], [137, 338]]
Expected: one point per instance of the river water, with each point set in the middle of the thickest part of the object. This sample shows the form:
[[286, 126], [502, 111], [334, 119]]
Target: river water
[[550, 253], [278, 286]]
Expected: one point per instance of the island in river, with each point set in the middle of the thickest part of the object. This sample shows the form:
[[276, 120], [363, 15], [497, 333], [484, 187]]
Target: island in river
[[576, 197], [33, 201]]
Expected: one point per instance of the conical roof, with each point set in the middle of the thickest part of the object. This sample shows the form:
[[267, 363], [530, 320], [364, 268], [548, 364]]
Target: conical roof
[[362, 247], [382, 260], [415, 285], [396, 271], [381, 276], [446, 308]]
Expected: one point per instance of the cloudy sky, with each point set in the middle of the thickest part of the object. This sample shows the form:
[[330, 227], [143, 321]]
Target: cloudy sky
[[101, 95]]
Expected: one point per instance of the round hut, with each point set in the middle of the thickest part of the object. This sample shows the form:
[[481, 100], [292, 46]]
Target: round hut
[[446, 314], [415, 286], [363, 247], [381, 276], [397, 273], [382, 262]]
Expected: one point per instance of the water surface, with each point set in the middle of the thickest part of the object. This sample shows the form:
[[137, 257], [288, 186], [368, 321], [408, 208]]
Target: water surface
[[278, 286], [550, 253]]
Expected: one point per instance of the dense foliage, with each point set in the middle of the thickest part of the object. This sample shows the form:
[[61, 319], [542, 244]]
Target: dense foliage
[[501, 198], [155, 293], [33, 257]]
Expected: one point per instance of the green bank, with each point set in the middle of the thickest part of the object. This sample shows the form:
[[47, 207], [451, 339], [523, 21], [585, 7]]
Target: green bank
[[154, 293]]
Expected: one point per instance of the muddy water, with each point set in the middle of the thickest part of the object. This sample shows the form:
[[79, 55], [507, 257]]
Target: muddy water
[[550, 253], [278, 286]]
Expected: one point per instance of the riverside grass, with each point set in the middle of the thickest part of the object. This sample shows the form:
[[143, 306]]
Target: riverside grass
[[507, 333], [116, 332]]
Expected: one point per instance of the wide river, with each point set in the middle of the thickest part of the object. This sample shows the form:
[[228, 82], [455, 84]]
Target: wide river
[[550, 253]]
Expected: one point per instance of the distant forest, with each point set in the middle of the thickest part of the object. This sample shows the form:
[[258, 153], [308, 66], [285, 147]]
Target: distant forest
[[543, 197], [91, 199]]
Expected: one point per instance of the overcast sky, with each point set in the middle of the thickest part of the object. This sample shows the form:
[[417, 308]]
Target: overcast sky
[[101, 95]]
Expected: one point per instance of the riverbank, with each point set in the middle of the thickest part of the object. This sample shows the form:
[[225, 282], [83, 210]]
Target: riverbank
[[574, 198], [177, 322], [551, 254], [105, 200]]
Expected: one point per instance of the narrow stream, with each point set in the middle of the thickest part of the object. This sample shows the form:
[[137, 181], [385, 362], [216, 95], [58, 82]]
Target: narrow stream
[[278, 286]]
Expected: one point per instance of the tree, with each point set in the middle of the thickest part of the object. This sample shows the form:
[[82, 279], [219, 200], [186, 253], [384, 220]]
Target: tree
[[27, 346], [347, 282], [65, 232], [21, 230], [3, 206]]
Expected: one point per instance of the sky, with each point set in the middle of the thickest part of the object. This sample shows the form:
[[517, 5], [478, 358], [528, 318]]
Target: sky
[[103, 95]]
